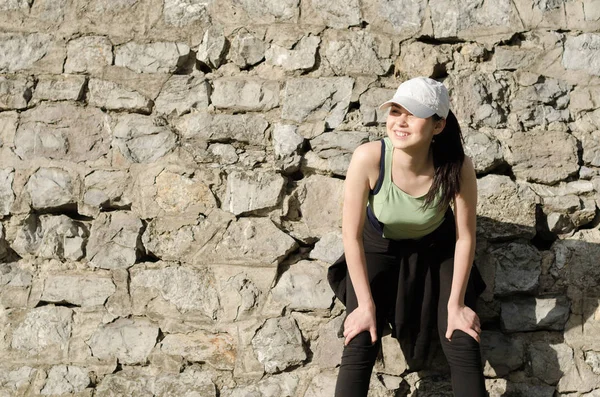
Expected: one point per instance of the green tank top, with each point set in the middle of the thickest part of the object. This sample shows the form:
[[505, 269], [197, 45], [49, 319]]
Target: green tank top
[[398, 213]]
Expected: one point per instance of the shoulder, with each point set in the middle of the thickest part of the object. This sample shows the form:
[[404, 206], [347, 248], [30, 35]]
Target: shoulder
[[468, 169], [368, 153], [364, 165]]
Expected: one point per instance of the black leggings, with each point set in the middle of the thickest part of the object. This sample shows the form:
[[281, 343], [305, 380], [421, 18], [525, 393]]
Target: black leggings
[[359, 355]]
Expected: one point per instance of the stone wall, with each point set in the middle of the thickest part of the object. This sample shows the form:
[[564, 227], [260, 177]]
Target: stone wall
[[172, 176]]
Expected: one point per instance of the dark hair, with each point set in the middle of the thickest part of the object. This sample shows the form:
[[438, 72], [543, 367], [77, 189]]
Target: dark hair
[[448, 158]]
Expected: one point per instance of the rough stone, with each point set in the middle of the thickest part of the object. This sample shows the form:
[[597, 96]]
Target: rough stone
[[88, 54], [50, 237], [212, 50], [320, 199], [246, 49], [107, 189], [80, 290], [14, 380], [158, 57], [369, 105], [143, 139], [518, 269], [582, 53], [420, 59], [574, 264], [357, 52], [53, 130], [114, 240], [278, 344], [501, 353], [223, 153], [183, 93], [505, 209], [112, 96], [336, 143], [539, 104], [59, 88], [404, 19], [248, 191], [282, 385], [329, 248], [16, 280], [304, 287], [501, 387], [484, 150], [44, 328], [7, 5], [286, 140], [130, 340], [66, 379], [302, 57], [548, 361], [186, 289], [592, 359], [267, 11], [244, 94], [311, 99], [51, 188], [15, 92], [7, 195], [533, 314], [218, 350], [182, 13], [323, 384], [23, 51], [223, 127], [336, 14]]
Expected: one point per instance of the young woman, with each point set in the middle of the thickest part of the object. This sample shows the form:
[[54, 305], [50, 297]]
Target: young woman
[[407, 255]]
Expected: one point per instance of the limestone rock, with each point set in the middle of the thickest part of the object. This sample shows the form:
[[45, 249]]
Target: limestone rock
[[286, 140], [15, 92], [49, 236], [66, 379], [501, 353], [582, 53], [484, 150], [59, 88], [532, 314], [336, 14], [323, 384], [500, 387], [420, 59], [17, 379], [212, 51], [518, 268], [283, 385], [252, 190], [182, 93], [182, 13], [51, 188], [7, 195], [7, 5], [246, 49], [574, 264], [310, 99], [112, 96], [158, 57], [127, 339], [44, 328], [53, 130], [88, 54], [403, 19], [223, 127], [541, 103], [369, 105], [278, 344], [80, 290], [114, 240], [268, 11], [16, 281], [549, 361], [335, 143], [244, 94], [142, 139], [329, 248], [302, 57], [304, 287], [23, 51], [357, 52], [107, 189], [218, 350], [320, 199]]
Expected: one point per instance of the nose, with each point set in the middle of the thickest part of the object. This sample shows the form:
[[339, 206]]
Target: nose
[[401, 118]]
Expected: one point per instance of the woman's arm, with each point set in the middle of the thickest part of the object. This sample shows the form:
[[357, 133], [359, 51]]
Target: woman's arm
[[356, 192], [465, 205]]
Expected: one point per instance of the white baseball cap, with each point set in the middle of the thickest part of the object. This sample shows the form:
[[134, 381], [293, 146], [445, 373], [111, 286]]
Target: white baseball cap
[[421, 96]]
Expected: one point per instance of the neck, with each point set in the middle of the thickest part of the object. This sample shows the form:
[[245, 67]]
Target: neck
[[417, 161]]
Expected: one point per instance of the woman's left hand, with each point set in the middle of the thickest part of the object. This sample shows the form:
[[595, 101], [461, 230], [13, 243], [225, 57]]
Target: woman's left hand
[[465, 319]]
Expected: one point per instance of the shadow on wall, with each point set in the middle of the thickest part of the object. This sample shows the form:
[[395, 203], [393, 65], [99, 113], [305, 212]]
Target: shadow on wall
[[540, 317]]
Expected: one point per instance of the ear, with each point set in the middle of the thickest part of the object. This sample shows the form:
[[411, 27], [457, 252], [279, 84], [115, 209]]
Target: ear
[[439, 126]]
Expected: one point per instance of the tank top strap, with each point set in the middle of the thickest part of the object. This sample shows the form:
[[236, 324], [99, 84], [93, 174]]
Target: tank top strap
[[382, 167]]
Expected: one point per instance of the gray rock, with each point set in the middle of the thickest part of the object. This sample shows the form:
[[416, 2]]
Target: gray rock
[[509, 58], [336, 14], [583, 99], [114, 240], [501, 354], [59, 88], [112, 96], [158, 57], [129, 340], [7, 195], [541, 103], [404, 19], [80, 290], [329, 248], [249, 242], [243, 94], [310, 99], [66, 379], [16, 281], [88, 54], [17, 380], [323, 384], [518, 268], [335, 143], [502, 387], [182, 93], [223, 153], [582, 53], [337, 165], [246, 49], [7, 5], [15, 92], [282, 385], [484, 150], [49, 11], [369, 105], [592, 359], [505, 209], [357, 52], [187, 289], [559, 223], [278, 344], [533, 314], [304, 287], [549, 361], [590, 142], [420, 59], [50, 237], [143, 139], [217, 350], [286, 140], [212, 50], [181, 13], [53, 130], [107, 189], [248, 191], [51, 188], [575, 264], [328, 348], [302, 57], [320, 199], [45, 328], [246, 128], [268, 11], [22, 51]]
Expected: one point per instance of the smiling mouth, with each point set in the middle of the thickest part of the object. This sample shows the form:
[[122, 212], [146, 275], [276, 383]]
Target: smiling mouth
[[401, 134]]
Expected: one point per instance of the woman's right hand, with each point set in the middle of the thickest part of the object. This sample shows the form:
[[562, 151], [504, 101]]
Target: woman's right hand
[[361, 319]]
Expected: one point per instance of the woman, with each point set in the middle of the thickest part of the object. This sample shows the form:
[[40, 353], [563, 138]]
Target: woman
[[407, 254]]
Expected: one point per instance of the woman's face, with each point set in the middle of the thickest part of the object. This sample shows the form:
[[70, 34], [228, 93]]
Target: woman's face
[[407, 130]]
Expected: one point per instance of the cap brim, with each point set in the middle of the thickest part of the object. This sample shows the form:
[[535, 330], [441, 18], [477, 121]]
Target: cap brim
[[411, 105]]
